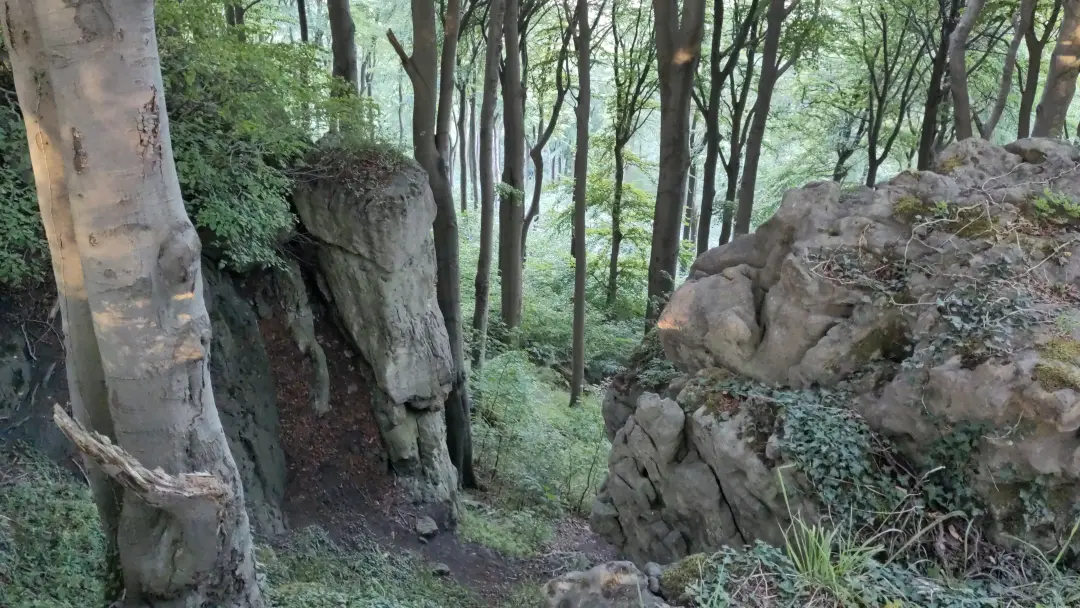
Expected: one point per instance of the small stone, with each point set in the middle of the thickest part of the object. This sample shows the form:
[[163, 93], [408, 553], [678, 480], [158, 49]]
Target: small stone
[[441, 569], [425, 526], [423, 540], [652, 569]]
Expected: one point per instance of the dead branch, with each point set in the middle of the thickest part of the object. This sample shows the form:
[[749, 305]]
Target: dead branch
[[173, 493]]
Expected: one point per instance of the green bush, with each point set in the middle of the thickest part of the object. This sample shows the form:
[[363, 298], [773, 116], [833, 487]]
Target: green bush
[[24, 255]]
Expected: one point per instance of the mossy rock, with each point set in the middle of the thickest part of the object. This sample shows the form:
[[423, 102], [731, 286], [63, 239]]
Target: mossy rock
[[952, 164], [676, 579], [909, 207], [1057, 375]]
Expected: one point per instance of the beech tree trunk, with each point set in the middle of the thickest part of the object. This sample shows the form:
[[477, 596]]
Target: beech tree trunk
[[473, 171], [1036, 44], [691, 188], [678, 50], [343, 45], [737, 142], [1061, 80], [616, 228], [127, 266], [301, 11], [463, 146], [958, 80], [512, 204], [581, 172], [1022, 21], [935, 93], [775, 17], [432, 113], [487, 179]]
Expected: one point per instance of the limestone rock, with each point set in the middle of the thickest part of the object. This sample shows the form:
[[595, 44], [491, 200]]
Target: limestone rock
[[610, 585], [425, 526], [943, 306], [377, 257]]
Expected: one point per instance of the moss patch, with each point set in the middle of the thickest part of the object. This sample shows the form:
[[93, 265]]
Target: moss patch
[[952, 164], [1057, 375], [675, 579], [909, 207], [1065, 350]]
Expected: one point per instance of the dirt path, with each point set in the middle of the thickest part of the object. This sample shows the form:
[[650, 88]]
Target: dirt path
[[338, 480]]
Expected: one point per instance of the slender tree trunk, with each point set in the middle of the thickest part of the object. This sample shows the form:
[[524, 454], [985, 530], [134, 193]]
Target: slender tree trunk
[[139, 256], [475, 179], [616, 227], [1061, 80], [463, 147], [343, 45], [487, 179], [678, 52], [935, 93], [691, 189], [301, 10], [432, 114], [735, 147], [581, 172], [401, 111], [1036, 44], [511, 204], [1021, 23], [958, 80], [766, 84]]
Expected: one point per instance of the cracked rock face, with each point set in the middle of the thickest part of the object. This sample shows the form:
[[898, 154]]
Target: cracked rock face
[[938, 302]]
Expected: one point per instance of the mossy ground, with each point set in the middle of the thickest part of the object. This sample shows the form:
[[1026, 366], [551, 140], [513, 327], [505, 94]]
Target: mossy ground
[[51, 550]]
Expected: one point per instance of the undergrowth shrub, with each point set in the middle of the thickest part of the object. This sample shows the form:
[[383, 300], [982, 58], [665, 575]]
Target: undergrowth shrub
[[532, 451], [51, 546], [23, 251]]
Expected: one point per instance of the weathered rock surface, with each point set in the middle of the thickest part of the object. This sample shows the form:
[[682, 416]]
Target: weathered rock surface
[[939, 310], [611, 585], [33, 378], [246, 400], [377, 254]]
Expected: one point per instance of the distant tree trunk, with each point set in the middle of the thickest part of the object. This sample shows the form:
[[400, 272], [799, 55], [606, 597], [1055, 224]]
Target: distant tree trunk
[[472, 148], [1022, 21], [301, 10], [487, 179], [1036, 44], [432, 110], [770, 72], [581, 172], [678, 49], [1061, 80], [691, 188], [958, 80], [511, 204], [738, 137], [463, 147], [616, 228], [343, 45], [935, 93], [137, 332], [401, 112], [544, 133]]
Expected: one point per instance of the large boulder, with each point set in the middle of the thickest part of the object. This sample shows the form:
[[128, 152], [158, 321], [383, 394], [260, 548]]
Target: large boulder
[[919, 341], [377, 255]]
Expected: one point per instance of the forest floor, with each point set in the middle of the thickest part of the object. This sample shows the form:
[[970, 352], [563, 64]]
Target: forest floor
[[338, 487], [337, 479]]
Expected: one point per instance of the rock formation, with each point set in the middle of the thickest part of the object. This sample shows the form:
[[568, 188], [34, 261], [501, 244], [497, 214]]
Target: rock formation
[[611, 585], [910, 346], [377, 254]]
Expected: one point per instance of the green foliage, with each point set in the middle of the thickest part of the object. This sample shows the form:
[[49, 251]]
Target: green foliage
[[519, 533], [23, 251], [51, 546], [311, 570], [535, 454], [1057, 208]]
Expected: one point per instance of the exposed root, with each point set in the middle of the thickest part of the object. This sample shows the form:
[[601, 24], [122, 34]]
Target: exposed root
[[172, 493]]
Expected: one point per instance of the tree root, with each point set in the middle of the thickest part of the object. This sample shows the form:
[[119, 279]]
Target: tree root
[[302, 323], [173, 493]]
